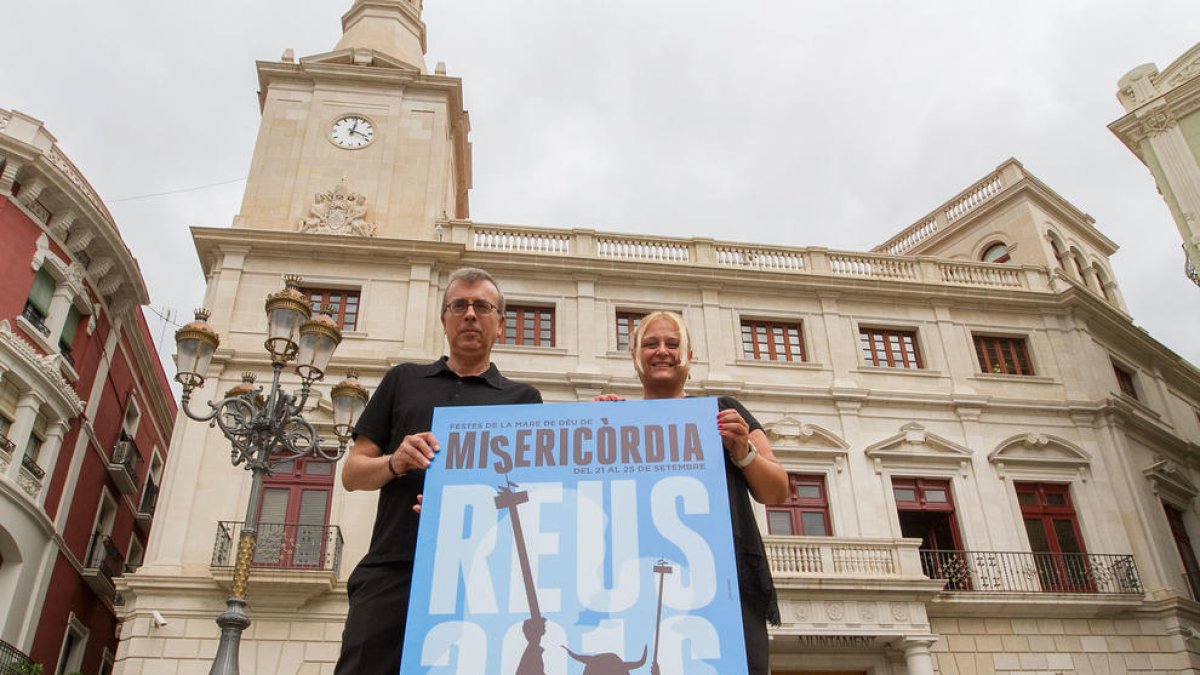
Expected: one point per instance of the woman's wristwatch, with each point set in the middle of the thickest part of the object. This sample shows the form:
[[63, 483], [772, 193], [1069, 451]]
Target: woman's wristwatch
[[751, 455]]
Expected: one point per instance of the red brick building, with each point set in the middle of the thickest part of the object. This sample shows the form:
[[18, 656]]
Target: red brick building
[[86, 411]]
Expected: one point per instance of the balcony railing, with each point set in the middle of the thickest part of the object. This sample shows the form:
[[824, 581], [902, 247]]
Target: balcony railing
[[35, 318], [30, 464], [882, 264], [104, 563], [844, 558], [1020, 572], [13, 660], [149, 499], [122, 465], [8, 446], [289, 546]]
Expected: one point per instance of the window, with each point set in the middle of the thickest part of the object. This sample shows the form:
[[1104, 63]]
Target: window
[[772, 341], [37, 306], [627, 322], [1054, 536], [996, 253], [1003, 355], [33, 447], [530, 326], [344, 303], [293, 515], [67, 339], [133, 417], [74, 643], [1187, 554], [150, 491], [925, 507], [806, 512], [1058, 254], [136, 552], [890, 348], [1125, 381]]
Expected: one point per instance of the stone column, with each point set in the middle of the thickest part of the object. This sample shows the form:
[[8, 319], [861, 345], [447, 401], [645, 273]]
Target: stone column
[[22, 427], [916, 654], [49, 454]]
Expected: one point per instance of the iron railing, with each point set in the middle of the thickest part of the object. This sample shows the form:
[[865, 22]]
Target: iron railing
[[1020, 572], [7, 445], [65, 350], [104, 557], [291, 546], [32, 467], [13, 660], [34, 317], [149, 499], [125, 454]]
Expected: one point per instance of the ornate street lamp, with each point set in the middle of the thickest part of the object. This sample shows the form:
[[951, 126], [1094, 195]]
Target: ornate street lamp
[[269, 429]]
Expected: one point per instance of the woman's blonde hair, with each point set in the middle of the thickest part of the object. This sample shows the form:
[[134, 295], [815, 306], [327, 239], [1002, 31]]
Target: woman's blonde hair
[[685, 340]]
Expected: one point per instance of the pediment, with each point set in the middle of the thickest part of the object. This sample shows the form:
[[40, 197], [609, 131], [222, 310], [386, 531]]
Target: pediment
[[914, 444], [794, 439], [1170, 482], [1039, 451], [359, 56]]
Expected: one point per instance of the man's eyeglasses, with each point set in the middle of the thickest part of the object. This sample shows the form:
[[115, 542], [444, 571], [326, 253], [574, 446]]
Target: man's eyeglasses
[[459, 307]]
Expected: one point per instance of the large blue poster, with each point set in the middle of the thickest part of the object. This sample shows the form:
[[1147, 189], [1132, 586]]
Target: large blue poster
[[576, 539]]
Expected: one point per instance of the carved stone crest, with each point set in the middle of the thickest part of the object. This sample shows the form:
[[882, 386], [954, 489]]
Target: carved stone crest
[[338, 211]]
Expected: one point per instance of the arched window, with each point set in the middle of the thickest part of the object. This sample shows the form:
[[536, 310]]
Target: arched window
[[1058, 253], [996, 253]]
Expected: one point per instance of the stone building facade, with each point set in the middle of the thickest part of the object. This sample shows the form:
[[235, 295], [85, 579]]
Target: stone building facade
[[993, 468], [86, 411], [1162, 127]]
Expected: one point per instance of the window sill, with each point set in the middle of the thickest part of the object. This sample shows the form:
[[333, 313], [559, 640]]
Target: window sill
[[528, 349], [798, 365], [1001, 377], [888, 370], [1138, 405]]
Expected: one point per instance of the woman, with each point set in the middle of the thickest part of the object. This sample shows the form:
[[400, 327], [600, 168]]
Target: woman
[[662, 356]]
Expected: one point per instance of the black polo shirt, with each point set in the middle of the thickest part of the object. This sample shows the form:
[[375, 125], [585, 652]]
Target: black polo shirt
[[403, 405]]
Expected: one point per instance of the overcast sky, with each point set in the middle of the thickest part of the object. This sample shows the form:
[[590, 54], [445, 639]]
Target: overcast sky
[[802, 123]]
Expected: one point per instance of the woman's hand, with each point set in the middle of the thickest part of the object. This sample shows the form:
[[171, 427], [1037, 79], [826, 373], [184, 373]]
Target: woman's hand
[[735, 433], [609, 397]]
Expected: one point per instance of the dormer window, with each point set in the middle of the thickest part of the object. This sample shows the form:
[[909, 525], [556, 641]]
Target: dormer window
[[996, 253]]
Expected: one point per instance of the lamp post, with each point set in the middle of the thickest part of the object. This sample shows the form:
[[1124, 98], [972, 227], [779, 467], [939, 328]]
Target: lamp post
[[267, 430]]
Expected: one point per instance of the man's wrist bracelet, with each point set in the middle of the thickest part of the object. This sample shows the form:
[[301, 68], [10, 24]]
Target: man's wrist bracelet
[[751, 455], [392, 468]]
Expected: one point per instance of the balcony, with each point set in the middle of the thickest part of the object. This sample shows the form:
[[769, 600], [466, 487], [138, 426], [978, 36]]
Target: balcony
[[8, 447], [104, 563], [30, 464], [1020, 572], [292, 562], [145, 510], [13, 660], [847, 564], [122, 465], [35, 319]]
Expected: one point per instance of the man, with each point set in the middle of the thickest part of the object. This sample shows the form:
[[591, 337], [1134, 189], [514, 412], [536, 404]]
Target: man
[[392, 448]]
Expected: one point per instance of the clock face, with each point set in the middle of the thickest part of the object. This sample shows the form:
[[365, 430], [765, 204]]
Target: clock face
[[352, 132]]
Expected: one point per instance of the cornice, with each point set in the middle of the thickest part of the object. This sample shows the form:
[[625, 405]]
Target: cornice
[[83, 211], [309, 74]]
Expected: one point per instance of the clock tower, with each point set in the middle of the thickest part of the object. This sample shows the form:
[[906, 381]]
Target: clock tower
[[362, 140]]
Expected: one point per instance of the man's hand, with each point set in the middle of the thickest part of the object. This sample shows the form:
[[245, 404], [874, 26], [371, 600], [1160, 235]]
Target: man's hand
[[415, 452], [609, 397]]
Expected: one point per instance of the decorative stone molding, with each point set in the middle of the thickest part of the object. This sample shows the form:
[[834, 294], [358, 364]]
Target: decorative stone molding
[[44, 366], [1157, 121], [72, 275], [1040, 451], [29, 483], [1170, 482], [80, 241], [72, 174], [338, 211], [100, 267], [793, 439], [1187, 72], [915, 444]]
